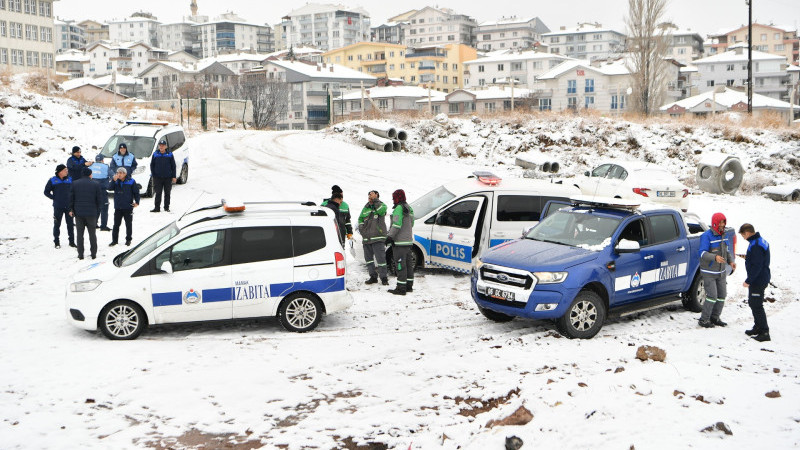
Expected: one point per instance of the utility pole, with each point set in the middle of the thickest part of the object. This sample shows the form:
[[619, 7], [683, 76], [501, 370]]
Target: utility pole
[[749, 56]]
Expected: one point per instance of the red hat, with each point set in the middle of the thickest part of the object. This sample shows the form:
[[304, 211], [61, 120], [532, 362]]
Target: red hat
[[398, 196], [716, 223]]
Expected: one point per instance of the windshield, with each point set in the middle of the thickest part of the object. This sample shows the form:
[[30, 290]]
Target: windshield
[[575, 228], [430, 201], [139, 146], [148, 245]]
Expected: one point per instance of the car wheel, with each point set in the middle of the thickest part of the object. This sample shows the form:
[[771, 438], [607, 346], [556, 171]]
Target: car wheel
[[122, 321], [584, 317], [495, 316], [300, 312], [184, 176], [693, 298], [149, 191]]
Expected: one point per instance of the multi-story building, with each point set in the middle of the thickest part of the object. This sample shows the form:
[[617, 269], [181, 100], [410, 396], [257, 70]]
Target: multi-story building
[[770, 77], [586, 41], [393, 30], [510, 32], [227, 34], [140, 26], [438, 67], [239, 62], [127, 58], [309, 86], [778, 40], [383, 99], [179, 36], [26, 35], [164, 79], [95, 31], [433, 26], [68, 35], [684, 45], [575, 84], [501, 68], [485, 101], [324, 26], [71, 62]]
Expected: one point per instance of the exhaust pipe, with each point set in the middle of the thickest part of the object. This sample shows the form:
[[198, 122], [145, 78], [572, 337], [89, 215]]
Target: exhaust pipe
[[377, 143], [402, 134], [382, 130]]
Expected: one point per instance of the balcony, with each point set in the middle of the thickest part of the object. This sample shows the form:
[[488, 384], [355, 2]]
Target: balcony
[[423, 53], [317, 114]]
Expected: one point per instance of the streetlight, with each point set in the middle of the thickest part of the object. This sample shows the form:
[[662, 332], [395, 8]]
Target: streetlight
[[749, 56]]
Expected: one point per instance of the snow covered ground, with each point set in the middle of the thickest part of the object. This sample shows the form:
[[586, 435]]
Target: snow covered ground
[[424, 371]]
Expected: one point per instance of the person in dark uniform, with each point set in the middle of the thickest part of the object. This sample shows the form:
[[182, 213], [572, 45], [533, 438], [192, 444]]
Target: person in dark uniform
[[162, 169], [334, 203], [401, 237], [756, 262], [59, 189], [344, 210], [87, 197], [126, 197], [76, 163]]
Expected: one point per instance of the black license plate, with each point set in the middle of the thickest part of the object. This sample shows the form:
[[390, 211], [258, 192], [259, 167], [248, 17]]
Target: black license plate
[[499, 294]]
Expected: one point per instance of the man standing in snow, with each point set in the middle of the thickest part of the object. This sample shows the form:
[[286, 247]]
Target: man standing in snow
[[87, 197], [76, 163], [758, 276], [344, 212], [59, 189], [334, 204], [100, 176], [401, 237], [126, 197], [715, 254], [372, 226], [123, 159], [162, 168]]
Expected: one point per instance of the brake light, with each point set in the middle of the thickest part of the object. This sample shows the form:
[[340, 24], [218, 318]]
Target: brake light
[[641, 191], [339, 264], [685, 193]]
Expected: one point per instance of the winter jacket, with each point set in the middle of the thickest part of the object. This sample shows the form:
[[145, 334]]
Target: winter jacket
[[59, 190], [757, 261], [711, 245], [100, 174], [128, 161], [75, 167], [344, 211], [372, 222], [162, 165], [401, 230], [87, 197], [125, 194], [337, 214]]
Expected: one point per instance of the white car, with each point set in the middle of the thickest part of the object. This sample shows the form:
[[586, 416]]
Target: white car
[[634, 180], [218, 262], [141, 138]]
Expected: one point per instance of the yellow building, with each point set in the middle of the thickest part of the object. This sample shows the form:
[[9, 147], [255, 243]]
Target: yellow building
[[438, 67]]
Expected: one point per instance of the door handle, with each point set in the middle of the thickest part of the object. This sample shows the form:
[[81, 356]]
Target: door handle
[[648, 257], [681, 248]]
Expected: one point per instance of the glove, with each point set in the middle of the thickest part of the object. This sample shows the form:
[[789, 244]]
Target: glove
[[350, 236], [389, 241]]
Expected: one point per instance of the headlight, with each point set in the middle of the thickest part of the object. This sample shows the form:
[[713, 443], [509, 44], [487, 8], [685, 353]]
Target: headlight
[[84, 286], [550, 277], [478, 264], [138, 169]]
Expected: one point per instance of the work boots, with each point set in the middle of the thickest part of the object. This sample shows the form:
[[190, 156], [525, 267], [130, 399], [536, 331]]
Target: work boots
[[372, 280], [399, 290]]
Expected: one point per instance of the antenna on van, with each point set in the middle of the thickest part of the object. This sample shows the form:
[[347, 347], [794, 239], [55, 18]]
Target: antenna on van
[[190, 206]]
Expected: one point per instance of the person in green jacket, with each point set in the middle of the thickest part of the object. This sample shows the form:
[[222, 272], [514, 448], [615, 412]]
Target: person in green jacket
[[402, 238], [344, 211], [372, 226]]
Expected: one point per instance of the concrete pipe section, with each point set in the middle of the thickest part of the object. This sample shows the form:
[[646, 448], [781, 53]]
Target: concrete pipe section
[[396, 145], [402, 135], [381, 129], [783, 192], [374, 142], [718, 173], [531, 163]]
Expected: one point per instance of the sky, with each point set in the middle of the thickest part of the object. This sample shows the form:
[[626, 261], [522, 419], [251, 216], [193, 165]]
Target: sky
[[703, 16]]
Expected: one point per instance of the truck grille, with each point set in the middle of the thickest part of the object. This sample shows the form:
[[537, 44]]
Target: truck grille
[[500, 276]]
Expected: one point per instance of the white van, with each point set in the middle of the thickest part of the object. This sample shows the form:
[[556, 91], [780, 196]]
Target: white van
[[218, 262], [456, 222], [141, 138]]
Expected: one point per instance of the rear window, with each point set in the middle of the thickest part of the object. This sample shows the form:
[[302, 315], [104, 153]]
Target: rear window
[[176, 140], [307, 240], [518, 208], [664, 227], [260, 244]]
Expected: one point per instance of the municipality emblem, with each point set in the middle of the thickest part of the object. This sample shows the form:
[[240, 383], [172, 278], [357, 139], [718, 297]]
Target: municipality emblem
[[191, 297], [636, 280]]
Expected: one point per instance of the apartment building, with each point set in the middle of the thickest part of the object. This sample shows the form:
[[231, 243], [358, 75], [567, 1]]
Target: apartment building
[[127, 58], [500, 68], [770, 75], [68, 35], [26, 35], [685, 46], [94, 31], [140, 26], [393, 30], [324, 26], [179, 36], [485, 101], [778, 40], [164, 79], [586, 41], [716, 101], [434, 26], [510, 33], [229, 33], [438, 67], [575, 84], [384, 99], [70, 62]]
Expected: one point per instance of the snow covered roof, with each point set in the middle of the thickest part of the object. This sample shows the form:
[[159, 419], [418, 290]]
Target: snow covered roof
[[231, 57], [73, 55], [314, 8], [99, 81], [728, 98], [329, 71], [490, 93], [615, 68], [186, 68], [297, 51], [515, 56], [389, 92], [735, 56], [507, 21], [688, 69]]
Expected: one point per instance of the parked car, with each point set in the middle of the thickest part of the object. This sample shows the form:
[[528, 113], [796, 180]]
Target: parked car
[[634, 180]]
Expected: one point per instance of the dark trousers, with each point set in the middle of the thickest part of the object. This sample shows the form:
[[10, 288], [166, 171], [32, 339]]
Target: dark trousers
[[755, 298], [120, 214], [89, 223], [160, 184], [405, 270], [103, 213], [375, 256], [58, 213]]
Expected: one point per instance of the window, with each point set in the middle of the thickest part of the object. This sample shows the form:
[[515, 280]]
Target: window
[[516, 66], [2, 4], [710, 83], [307, 239], [589, 85], [444, 66], [500, 67], [545, 104], [634, 231], [489, 107], [176, 140], [763, 36], [487, 37], [776, 36], [28, 7], [729, 67], [664, 228], [572, 102], [459, 215], [455, 80], [260, 244], [588, 101], [383, 104], [195, 252], [480, 68], [518, 208], [453, 108], [780, 47], [44, 9], [729, 83], [572, 86], [2, 28], [3, 56]]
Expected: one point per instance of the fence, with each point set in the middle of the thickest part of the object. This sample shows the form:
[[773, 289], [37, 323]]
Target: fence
[[211, 111]]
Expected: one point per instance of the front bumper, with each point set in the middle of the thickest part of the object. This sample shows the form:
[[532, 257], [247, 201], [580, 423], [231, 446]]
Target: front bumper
[[552, 300], [81, 305]]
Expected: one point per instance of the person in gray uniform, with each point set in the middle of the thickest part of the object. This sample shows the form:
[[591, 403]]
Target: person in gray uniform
[[402, 238], [372, 226], [715, 254]]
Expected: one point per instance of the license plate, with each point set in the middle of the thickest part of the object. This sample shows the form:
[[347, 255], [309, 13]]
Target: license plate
[[499, 294], [665, 193]]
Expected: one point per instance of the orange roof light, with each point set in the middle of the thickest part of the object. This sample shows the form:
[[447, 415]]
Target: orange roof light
[[487, 178], [232, 206]]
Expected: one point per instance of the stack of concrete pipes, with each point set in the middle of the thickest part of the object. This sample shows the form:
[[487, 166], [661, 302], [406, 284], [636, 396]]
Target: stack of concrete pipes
[[384, 137]]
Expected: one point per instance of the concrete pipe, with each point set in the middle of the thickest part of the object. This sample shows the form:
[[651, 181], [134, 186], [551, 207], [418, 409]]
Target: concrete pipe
[[783, 192], [546, 167], [718, 173], [402, 135], [396, 145], [377, 143], [382, 130], [555, 167]]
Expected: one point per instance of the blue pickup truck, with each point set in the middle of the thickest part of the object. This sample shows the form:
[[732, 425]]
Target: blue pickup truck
[[587, 261]]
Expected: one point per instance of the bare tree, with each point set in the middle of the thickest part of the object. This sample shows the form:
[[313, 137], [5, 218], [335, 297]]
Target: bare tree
[[648, 45], [269, 97]]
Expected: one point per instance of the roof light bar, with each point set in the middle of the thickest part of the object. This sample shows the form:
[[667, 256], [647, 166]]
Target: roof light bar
[[145, 122], [487, 178]]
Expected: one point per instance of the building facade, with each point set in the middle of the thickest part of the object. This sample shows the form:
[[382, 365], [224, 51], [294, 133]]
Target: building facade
[[510, 33], [770, 77], [229, 33], [483, 101], [164, 79], [140, 26], [498, 69], [431, 26], [68, 35], [177, 36], [71, 62], [384, 99], [26, 35], [586, 41], [324, 26], [685, 46], [389, 33], [129, 58], [575, 85], [95, 31], [778, 40]]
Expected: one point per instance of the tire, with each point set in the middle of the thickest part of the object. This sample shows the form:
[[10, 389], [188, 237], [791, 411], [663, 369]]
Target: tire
[[584, 317], [300, 312], [693, 298], [149, 191], [495, 316], [184, 176], [122, 321]]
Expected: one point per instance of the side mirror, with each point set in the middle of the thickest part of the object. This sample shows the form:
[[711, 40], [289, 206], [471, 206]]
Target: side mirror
[[527, 230], [587, 173], [166, 266], [626, 246]]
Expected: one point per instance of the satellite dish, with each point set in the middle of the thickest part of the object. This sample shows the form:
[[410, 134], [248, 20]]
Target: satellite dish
[[629, 91]]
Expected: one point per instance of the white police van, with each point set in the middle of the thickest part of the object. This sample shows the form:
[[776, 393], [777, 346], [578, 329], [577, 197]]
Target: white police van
[[456, 222], [142, 138], [219, 262]]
